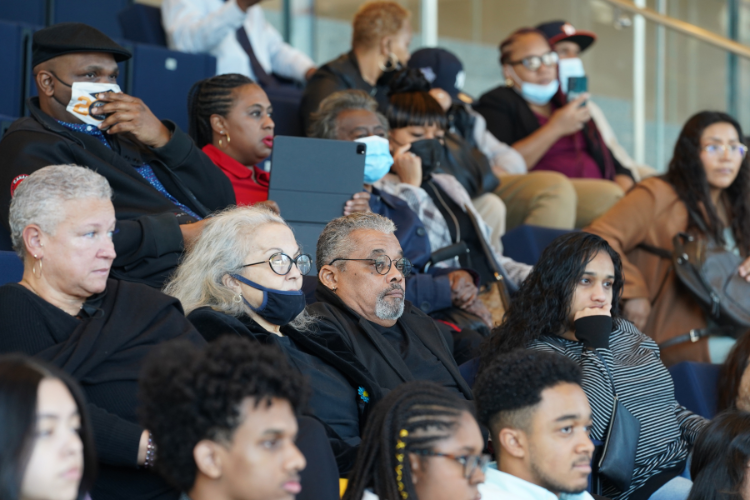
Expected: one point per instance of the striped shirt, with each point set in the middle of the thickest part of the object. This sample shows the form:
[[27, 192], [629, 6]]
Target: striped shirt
[[645, 387]]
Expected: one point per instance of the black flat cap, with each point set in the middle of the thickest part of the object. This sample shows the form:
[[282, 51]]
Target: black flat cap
[[69, 38]]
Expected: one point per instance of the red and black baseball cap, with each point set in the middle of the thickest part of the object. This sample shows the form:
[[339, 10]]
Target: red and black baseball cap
[[558, 31]]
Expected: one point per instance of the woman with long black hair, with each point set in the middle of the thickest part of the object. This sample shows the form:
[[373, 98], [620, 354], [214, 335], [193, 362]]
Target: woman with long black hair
[[707, 185], [45, 437], [569, 304]]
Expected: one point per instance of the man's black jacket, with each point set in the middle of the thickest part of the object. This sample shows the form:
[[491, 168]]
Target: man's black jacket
[[338, 322], [340, 74], [148, 240]]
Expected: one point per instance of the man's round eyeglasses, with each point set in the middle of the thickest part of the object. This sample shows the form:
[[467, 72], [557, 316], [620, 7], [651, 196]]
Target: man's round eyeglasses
[[533, 63], [470, 462], [722, 149], [383, 264], [281, 263]]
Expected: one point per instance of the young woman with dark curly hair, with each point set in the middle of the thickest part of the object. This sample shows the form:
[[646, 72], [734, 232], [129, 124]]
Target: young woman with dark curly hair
[[569, 304], [709, 177]]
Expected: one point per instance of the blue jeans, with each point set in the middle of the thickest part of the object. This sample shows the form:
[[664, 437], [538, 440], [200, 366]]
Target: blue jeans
[[677, 488]]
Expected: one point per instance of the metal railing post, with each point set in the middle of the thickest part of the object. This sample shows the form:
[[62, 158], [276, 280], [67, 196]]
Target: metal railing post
[[639, 85], [661, 87], [429, 23]]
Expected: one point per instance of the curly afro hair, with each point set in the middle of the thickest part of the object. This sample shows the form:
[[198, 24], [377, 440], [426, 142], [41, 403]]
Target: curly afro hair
[[513, 384], [188, 394]]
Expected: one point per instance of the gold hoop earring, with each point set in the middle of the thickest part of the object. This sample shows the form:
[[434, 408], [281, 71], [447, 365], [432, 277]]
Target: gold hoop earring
[[229, 139], [237, 299], [509, 81], [33, 268]]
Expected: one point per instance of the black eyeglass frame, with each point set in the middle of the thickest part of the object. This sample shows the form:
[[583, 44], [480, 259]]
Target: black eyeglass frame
[[292, 261], [475, 461], [552, 56], [403, 260]]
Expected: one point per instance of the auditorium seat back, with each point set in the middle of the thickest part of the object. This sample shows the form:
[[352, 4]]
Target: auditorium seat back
[[101, 14], [13, 40], [696, 386], [286, 111], [24, 11], [5, 123], [142, 24], [469, 371], [526, 243], [11, 267], [162, 79]]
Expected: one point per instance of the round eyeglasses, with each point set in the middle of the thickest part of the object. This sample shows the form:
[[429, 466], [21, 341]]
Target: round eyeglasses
[[533, 63], [722, 149], [281, 263], [383, 264], [470, 462]]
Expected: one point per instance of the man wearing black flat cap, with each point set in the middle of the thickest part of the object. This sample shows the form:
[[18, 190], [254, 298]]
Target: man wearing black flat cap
[[164, 186], [570, 43]]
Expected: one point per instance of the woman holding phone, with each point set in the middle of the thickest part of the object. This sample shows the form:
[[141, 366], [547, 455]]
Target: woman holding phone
[[531, 114]]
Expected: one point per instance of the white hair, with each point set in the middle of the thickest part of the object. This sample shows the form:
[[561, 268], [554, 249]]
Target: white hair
[[335, 241], [221, 250], [39, 198]]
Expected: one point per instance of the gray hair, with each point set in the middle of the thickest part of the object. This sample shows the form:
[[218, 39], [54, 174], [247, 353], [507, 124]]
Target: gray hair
[[323, 124], [39, 198], [220, 250], [335, 240]]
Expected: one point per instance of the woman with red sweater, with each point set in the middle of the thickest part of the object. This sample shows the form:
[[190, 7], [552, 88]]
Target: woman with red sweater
[[230, 120]]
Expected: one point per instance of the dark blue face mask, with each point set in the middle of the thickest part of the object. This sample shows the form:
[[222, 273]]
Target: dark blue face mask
[[279, 307]]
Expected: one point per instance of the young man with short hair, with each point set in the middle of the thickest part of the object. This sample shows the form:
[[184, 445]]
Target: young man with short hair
[[539, 419], [223, 420]]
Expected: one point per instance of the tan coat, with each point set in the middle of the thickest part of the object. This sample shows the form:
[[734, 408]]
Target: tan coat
[[652, 213]]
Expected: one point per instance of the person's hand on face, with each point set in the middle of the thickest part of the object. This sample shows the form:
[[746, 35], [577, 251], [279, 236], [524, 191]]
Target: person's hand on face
[[572, 117], [129, 115], [593, 293], [407, 166], [637, 311], [55, 466], [360, 202], [463, 289]]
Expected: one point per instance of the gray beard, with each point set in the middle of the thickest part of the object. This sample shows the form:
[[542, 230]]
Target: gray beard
[[389, 310]]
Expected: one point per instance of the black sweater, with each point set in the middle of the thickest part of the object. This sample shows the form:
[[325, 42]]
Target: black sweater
[[104, 351], [148, 240]]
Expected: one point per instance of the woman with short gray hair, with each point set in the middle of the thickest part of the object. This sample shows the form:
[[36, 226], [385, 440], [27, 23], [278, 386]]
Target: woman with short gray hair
[[243, 277], [66, 311]]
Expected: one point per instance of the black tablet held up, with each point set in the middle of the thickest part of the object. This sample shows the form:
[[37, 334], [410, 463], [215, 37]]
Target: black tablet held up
[[311, 180]]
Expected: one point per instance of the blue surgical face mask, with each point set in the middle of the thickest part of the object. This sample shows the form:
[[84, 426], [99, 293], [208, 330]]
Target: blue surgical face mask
[[538, 94], [279, 307], [378, 159], [566, 68]]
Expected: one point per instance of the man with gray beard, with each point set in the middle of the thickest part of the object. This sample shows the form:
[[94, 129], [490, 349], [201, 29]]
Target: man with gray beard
[[361, 308]]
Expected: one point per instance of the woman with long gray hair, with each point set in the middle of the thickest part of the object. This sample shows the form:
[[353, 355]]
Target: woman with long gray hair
[[244, 277], [67, 312]]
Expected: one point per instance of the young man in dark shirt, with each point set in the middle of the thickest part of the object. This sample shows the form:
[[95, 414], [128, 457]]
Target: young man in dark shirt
[[163, 184], [361, 289]]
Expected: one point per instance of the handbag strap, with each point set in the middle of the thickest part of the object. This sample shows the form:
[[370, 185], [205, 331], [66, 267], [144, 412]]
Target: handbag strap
[[609, 373]]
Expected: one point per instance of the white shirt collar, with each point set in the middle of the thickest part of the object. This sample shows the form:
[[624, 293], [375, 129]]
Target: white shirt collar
[[500, 485]]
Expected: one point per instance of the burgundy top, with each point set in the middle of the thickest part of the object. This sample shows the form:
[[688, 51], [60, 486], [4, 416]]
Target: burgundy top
[[568, 156]]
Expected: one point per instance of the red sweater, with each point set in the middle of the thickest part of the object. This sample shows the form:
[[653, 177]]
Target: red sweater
[[250, 183]]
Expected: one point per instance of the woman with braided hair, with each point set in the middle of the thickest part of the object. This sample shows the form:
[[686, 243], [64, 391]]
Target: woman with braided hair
[[420, 442], [230, 120]]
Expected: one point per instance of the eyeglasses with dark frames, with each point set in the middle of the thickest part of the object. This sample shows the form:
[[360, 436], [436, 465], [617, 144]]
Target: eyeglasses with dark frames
[[383, 264], [533, 63], [281, 263], [470, 462]]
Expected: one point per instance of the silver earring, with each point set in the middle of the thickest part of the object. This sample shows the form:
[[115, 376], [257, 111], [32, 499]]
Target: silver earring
[[237, 298]]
